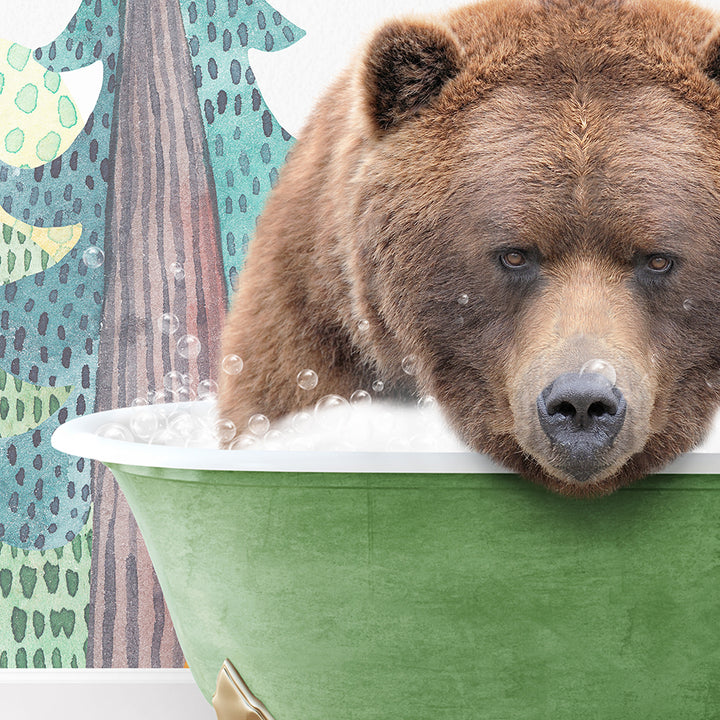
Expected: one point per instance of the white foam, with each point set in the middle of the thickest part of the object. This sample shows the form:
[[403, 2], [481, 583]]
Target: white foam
[[378, 427]]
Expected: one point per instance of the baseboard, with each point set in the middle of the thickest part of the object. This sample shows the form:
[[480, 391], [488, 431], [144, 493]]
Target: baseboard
[[102, 694]]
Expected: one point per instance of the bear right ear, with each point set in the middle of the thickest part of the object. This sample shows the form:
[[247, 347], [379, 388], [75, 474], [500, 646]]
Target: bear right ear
[[406, 66], [710, 56]]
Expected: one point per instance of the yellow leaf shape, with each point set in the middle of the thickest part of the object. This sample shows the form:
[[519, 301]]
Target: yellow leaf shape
[[38, 117], [23, 406], [27, 249]]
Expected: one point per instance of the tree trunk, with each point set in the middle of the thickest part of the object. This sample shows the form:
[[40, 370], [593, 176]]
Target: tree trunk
[[161, 210]]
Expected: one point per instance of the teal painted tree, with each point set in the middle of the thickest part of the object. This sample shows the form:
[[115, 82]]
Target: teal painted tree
[[38, 120], [53, 187], [26, 250], [245, 142], [44, 605]]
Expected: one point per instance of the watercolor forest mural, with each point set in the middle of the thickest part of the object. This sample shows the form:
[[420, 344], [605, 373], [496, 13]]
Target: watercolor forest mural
[[137, 148], [140, 208]]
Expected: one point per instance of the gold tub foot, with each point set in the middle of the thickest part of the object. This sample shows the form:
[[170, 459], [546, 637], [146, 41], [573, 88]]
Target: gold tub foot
[[233, 700]]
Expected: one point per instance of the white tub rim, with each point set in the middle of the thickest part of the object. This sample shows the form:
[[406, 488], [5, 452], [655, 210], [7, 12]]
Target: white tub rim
[[79, 437]]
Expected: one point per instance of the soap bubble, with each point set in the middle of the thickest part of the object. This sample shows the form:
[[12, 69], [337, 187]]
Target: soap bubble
[[183, 424], [601, 367], [274, 440], [144, 423], [360, 397], [164, 436], [330, 402], [207, 389], [188, 347], [307, 379], [185, 394], [244, 442], [173, 380], [363, 325], [139, 402], [410, 364], [463, 299], [115, 431], [161, 396], [301, 421], [168, 323], [224, 430], [232, 364], [93, 257], [426, 402], [177, 271], [340, 408], [688, 305], [378, 386], [258, 424], [199, 438]]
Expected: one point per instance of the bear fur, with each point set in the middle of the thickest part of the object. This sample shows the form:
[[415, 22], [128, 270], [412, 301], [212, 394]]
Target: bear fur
[[580, 137]]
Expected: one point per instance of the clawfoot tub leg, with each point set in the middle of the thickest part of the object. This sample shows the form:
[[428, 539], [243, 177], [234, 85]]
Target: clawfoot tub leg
[[233, 699]]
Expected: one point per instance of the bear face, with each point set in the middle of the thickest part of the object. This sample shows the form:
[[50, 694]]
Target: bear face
[[507, 195]]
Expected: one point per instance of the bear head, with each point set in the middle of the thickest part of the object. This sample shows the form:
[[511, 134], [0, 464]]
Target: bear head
[[534, 219]]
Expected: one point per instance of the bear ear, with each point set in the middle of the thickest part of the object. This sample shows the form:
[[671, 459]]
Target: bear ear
[[710, 56], [406, 65]]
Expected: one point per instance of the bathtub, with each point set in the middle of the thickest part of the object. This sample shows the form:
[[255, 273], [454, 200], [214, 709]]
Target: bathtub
[[359, 586]]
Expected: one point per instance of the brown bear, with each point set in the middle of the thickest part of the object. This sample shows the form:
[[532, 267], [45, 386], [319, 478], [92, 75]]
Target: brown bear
[[504, 194]]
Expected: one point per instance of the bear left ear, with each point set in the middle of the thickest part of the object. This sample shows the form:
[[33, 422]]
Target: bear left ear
[[406, 66]]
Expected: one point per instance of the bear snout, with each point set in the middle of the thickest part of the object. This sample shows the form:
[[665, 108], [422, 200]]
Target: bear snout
[[581, 414]]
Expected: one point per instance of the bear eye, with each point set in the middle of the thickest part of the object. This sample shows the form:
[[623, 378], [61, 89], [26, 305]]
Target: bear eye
[[659, 264], [513, 259]]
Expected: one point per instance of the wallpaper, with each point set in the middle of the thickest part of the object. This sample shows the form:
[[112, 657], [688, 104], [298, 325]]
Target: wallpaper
[[138, 143], [61, 179]]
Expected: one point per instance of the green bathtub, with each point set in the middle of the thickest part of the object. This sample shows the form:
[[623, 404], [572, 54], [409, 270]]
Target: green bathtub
[[358, 586]]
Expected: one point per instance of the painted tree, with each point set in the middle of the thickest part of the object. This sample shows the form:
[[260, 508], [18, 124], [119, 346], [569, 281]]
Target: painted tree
[[162, 211], [293, 81], [188, 102], [53, 188], [44, 605], [165, 259], [39, 122], [26, 250], [246, 144]]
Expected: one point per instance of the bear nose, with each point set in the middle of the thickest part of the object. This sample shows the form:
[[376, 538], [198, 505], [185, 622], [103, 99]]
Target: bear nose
[[581, 414]]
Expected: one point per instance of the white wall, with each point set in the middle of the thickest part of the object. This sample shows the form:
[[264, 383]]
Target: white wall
[[293, 79], [101, 695]]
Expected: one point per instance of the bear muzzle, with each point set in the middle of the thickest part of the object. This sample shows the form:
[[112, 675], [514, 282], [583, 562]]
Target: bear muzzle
[[581, 414]]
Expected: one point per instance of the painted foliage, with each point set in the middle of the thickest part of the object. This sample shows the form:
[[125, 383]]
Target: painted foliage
[[53, 218], [112, 215], [53, 188], [246, 144], [118, 206]]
